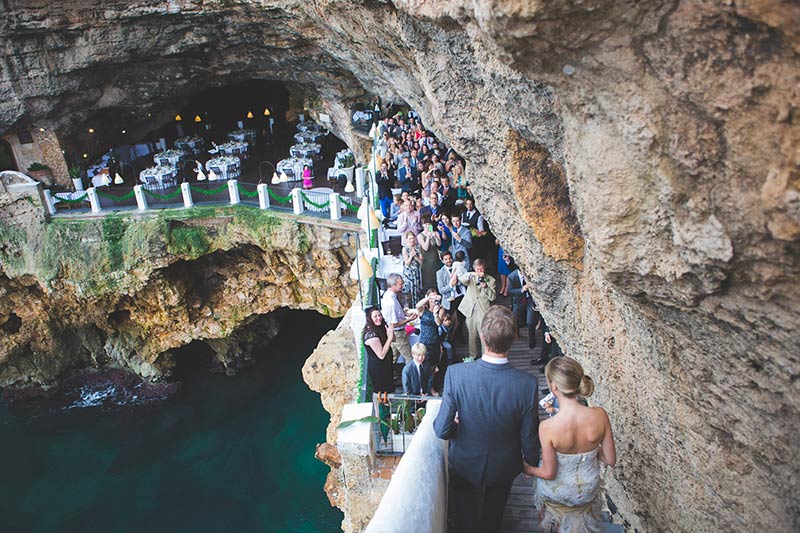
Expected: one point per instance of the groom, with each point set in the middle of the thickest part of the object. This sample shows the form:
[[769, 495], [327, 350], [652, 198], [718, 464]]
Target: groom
[[489, 414]]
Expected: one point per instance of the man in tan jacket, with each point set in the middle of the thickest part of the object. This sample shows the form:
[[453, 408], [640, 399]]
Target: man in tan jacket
[[480, 295]]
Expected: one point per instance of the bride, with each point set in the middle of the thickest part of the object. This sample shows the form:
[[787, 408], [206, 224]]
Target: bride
[[573, 442]]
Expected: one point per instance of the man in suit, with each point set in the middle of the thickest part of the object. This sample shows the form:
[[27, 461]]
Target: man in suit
[[461, 239], [452, 291], [489, 414], [479, 296], [407, 177]]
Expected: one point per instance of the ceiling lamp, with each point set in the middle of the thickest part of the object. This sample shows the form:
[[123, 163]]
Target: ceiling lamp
[[91, 130], [249, 114], [124, 132], [85, 156], [178, 118], [41, 129], [266, 112], [197, 118], [275, 179], [361, 268]]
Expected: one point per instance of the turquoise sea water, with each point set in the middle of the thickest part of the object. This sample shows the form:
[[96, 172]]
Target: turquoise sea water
[[225, 454]]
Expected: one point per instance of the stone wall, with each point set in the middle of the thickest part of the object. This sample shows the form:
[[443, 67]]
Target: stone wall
[[639, 159]]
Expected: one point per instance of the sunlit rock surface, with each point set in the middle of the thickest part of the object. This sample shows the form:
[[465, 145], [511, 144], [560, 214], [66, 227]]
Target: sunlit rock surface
[[657, 142]]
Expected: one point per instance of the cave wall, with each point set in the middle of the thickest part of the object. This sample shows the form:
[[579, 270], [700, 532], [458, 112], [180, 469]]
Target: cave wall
[[639, 159]]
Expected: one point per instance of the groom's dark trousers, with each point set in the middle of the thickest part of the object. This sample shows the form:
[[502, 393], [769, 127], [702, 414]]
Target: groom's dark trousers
[[498, 424]]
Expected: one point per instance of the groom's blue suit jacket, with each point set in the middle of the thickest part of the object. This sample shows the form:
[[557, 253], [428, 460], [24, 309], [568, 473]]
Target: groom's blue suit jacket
[[498, 415]]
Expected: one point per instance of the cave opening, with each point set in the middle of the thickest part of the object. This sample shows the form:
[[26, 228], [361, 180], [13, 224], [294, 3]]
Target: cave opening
[[260, 113]]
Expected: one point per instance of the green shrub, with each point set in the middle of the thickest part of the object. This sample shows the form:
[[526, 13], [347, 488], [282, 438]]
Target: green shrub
[[37, 166]]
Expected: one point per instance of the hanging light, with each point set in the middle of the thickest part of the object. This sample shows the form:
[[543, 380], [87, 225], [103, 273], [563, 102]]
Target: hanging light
[[275, 179], [361, 268], [197, 118], [85, 156], [212, 176], [284, 177], [124, 132], [118, 179], [249, 114], [363, 208], [41, 130], [91, 130], [349, 187], [178, 118], [370, 222], [266, 112], [372, 131], [200, 174]]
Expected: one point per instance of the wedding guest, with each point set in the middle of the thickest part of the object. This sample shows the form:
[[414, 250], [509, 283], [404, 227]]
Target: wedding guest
[[412, 266], [462, 239], [479, 296], [378, 337], [417, 377], [385, 181], [307, 177], [409, 220], [396, 317], [428, 311], [429, 242]]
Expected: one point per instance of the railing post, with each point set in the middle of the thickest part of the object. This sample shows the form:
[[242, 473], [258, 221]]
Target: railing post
[[93, 200], [233, 192], [360, 182], [335, 207], [49, 204], [297, 201], [141, 201], [263, 196], [186, 192]]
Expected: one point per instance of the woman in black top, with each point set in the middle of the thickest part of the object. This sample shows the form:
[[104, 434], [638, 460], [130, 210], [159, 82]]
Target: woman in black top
[[378, 337]]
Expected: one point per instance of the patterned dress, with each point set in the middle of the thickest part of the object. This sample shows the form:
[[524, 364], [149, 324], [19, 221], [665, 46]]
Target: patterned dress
[[429, 336], [412, 276]]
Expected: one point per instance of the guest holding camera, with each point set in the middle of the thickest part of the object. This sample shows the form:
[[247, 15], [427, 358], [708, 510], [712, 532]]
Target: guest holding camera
[[480, 294]]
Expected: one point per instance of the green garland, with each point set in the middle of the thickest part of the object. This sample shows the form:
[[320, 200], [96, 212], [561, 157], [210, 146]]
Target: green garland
[[348, 204], [208, 192], [278, 197], [314, 204], [169, 196], [117, 198], [74, 200], [362, 360], [245, 192]]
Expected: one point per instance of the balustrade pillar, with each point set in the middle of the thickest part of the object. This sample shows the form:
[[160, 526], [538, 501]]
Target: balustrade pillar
[[141, 201], [186, 192], [297, 201], [263, 196], [335, 206], [233, 191], [49, 204], [94, 201]]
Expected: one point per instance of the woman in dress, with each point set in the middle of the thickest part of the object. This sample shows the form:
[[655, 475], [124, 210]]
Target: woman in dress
[[502, 269], [429, 241], [429, 320], [378, 337], [574, 442], [412, 266], [307, 179]]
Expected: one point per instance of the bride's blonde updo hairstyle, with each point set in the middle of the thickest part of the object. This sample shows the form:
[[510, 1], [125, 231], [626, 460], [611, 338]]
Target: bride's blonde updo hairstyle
[[568, 376]]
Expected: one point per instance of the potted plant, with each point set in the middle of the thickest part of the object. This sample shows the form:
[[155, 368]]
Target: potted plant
[[41, 173], [347, 164], [76, 173]]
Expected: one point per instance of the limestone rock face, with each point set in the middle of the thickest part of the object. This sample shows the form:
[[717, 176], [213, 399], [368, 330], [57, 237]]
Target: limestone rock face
[[639, 159], [124, 290]]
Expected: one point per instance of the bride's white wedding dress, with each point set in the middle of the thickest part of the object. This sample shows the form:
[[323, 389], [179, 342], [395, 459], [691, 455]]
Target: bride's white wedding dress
[[571, 502]]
